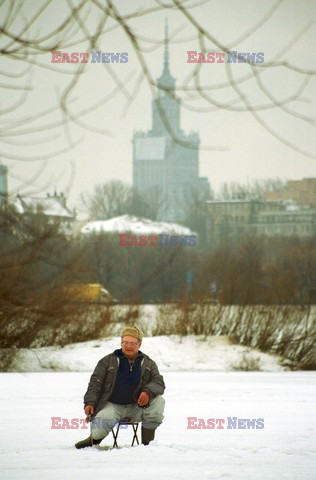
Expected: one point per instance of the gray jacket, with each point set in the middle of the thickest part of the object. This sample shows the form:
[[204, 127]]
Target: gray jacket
[[102, 381]]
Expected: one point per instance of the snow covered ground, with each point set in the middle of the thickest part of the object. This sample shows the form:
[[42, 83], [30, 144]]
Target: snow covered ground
[[200, 383], [284, 449], [171, 353]]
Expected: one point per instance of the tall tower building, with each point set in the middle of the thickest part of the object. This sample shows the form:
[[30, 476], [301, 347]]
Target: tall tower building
[[166, 159]]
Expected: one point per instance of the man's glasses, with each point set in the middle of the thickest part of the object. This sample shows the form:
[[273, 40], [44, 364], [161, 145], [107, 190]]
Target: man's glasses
[[133, 344]]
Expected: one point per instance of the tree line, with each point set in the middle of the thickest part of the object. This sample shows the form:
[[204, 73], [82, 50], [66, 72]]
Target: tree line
[[37, 256]]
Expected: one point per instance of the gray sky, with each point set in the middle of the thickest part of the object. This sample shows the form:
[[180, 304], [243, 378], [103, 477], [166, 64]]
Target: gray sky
[[235, 147]]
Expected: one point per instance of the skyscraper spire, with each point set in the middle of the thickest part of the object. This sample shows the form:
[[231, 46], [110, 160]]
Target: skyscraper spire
[[166, 80], [166, 54]]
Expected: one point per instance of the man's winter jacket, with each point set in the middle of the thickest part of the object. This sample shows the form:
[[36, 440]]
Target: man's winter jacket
[[103, 379]]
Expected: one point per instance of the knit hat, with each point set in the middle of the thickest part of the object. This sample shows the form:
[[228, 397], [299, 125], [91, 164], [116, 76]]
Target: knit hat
[[133, 331]]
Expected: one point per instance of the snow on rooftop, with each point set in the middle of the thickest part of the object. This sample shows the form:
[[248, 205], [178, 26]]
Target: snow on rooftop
[[134, 225], [214, 202], [50, 206]]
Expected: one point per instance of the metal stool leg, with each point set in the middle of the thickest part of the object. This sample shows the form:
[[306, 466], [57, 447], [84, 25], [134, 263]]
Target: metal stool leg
[[135, 438], [115, 434]]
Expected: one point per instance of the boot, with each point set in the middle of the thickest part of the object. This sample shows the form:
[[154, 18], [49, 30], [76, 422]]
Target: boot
[[147, 435], [87, 442]]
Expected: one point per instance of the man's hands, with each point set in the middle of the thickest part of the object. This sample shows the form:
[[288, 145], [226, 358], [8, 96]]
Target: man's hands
[[89, 410], [143, 399]]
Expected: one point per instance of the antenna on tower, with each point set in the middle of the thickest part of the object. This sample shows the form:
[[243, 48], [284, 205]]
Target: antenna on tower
[[166, 54]]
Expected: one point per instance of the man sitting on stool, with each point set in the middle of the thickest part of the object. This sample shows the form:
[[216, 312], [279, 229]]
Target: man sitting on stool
[[124, 384]]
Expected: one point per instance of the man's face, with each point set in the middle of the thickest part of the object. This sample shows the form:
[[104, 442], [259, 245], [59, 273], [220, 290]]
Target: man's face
[[130, 346]]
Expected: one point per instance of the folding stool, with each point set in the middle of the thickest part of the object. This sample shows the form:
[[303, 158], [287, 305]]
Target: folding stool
[[125, 421]]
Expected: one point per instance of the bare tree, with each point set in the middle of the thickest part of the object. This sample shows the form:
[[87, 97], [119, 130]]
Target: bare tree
[[109, 200], [195, 211], [116, 198], [30, 31], [253, 190]]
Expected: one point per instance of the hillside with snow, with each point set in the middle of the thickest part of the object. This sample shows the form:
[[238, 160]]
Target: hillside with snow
[[173, 354]]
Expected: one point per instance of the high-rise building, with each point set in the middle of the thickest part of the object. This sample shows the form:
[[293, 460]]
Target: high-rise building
[[165, 158]]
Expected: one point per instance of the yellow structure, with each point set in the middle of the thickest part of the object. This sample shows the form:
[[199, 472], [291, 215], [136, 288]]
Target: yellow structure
[[86, 293]]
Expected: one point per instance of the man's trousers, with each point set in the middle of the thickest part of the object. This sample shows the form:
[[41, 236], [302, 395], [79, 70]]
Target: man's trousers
[[151, 417]]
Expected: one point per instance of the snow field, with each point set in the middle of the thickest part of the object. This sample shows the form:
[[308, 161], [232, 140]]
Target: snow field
[[284, 449]]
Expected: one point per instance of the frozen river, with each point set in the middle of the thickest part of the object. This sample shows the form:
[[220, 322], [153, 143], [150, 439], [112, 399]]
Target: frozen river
[[284, 449]]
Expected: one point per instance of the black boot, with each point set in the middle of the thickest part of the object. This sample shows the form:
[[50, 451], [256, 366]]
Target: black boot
[[147, 435], [87, 443]]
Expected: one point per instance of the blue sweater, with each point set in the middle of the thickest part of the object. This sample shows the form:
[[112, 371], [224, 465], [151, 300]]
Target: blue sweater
[[127, 379]]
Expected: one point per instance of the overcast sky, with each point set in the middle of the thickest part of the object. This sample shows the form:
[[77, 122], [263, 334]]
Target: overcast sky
[[235, 146]]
